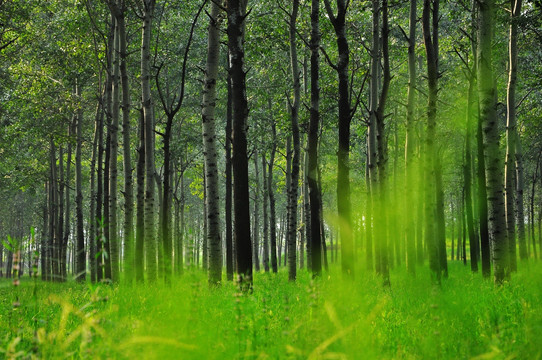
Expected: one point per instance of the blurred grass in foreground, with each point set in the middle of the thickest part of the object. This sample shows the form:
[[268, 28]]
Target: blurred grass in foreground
[[329, 318]]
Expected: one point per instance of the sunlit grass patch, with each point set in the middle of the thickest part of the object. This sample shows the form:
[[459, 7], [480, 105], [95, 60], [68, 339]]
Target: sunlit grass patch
[[328, 318]]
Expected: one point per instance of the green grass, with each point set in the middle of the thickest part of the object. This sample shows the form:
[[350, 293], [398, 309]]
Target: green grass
[[328, 319]]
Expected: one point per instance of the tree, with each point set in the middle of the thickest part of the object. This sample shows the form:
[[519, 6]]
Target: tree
[[410, 146], [492, 156], [236, 32], [80, 250], [294, 110], [345, 116], [314, 127], [148, 118], [511, 138], [209, 142]]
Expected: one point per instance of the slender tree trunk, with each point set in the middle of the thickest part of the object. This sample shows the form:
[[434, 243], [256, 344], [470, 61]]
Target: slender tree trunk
[[463, 232], [60, 224], [44, 239], [209, 142], [66, 233], [382, 158], [343, 153], [368, 219], [271, 192], [306, 213], [236, 18], [106, 253], [148, 116], [140, 204], [512, 136], [229, 185], [256, 242], [129, 259], [314, 126], [410, 146], [431, 215], [265, 217], [93, 228], [294, 110], [519, 201], [467, 180], [488, 116], [482, 203], [100, 196], [80, 242], [113, 166]]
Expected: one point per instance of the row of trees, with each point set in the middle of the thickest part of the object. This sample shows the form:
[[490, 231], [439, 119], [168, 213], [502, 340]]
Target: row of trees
[[252, 133]]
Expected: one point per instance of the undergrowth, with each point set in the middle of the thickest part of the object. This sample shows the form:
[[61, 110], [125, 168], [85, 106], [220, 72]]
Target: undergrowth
[[328, 318]]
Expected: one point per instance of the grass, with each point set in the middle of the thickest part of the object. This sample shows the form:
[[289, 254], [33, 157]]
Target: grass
[[331, 318]]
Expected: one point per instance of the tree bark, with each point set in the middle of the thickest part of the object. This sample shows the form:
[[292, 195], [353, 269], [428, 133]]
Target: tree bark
[[256, 216], [80, 242], [265, 217], [294, 118], [432, 234], [512, 135], [343, 153], [140, 204], [148, 116], [410, 147], [236, 18], [519, 201], [113, 166], [467, 180], [314, 126], [271, 192], [209, 146], [493, 159], [94, 224], [229, 184], [129, 259]]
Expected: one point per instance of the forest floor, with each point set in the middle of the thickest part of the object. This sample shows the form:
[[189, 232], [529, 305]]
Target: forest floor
[[467, 317]]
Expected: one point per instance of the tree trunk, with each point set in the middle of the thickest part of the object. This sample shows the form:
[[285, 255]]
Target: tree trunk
[[343, 153], [314, 126], [62, 182], [148, 116], [139, 259], [467, 180], [271, 192], [431, 215], [488, 116], [113, 155], [256, 231], [93, 227], [482, 203], [129, 259], [265, 217], [100, 193], [512, 135], [368, 218], [209, 142], [382, 158], [410, 147], [306, 215], [294, 110], [229, 185], [236, 18], [80, 242], [519, 201]]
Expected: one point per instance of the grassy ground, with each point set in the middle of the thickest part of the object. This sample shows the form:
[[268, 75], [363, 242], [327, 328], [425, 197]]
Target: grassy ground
[[329, 319]]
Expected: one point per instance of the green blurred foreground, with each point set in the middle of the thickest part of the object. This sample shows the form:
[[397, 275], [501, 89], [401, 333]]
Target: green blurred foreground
[[329, 319]]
